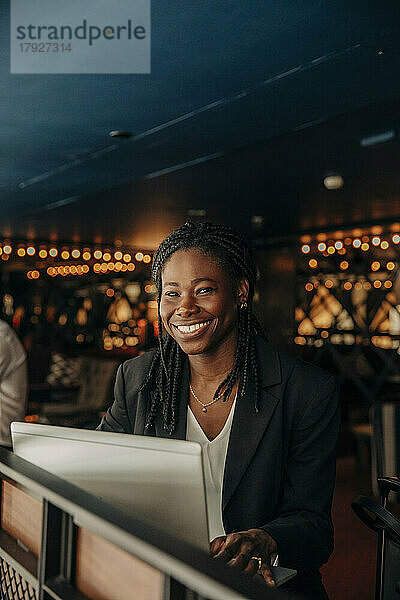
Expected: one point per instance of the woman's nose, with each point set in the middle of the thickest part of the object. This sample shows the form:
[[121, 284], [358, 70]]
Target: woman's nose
[[187, 306]]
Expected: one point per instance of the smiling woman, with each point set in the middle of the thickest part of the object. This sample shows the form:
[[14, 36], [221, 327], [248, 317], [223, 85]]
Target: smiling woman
[[266, 421], [200, 313]]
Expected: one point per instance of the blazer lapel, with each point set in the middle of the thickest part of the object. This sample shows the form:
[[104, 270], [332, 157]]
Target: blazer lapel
[[248, 427], [180, 430]]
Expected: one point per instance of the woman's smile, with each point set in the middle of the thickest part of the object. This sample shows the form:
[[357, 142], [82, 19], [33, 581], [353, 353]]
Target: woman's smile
[[192, 329]]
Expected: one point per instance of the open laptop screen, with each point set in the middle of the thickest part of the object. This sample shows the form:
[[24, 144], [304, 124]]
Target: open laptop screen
[[157, 479]]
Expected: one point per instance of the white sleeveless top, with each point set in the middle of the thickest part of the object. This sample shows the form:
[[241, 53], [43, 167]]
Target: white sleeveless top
[[214, 456]]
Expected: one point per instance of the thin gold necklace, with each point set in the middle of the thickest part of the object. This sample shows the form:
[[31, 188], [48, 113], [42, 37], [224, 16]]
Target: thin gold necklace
[[207, 403]]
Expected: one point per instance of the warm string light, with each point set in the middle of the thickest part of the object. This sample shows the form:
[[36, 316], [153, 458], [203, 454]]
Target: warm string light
[[327, 246], [117, 261], [358, 239], [67, 270], [347, 285]]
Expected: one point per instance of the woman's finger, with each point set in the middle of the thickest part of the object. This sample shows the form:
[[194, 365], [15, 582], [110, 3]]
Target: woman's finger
[[217, 543], [228, 549], [252, 567], [241, 560], [267, 574]]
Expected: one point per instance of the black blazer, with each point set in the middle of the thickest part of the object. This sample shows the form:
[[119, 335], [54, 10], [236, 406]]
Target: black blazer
[[280, 464]]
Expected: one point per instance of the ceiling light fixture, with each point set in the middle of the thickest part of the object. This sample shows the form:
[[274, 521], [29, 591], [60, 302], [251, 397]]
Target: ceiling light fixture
[[378, 138], [120, 134], [333, 182]]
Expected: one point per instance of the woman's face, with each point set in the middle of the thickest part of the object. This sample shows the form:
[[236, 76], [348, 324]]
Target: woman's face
[[198, 306]]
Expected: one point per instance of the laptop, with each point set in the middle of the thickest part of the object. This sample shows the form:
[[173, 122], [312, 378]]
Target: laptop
[[156, 479]]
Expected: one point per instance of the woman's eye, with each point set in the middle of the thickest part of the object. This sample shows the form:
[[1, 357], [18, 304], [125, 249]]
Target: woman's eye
[[205, 290], [171, 294]]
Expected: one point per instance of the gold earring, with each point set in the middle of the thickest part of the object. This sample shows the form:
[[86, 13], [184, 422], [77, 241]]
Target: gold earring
[[243, 305]]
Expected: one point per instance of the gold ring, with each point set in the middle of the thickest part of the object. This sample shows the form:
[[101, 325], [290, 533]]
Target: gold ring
[[258, 559]]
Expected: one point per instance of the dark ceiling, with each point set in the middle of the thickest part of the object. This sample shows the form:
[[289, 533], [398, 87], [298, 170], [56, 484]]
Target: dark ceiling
[[248, 106]]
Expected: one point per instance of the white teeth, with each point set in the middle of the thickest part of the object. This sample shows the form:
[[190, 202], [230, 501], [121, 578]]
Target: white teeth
[[191, 328]]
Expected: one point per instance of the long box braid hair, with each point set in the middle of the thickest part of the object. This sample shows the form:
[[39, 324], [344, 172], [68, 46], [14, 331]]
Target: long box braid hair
[[229, 249]]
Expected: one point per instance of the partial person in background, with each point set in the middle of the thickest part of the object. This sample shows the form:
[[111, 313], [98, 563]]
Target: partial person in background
[[13, 381]]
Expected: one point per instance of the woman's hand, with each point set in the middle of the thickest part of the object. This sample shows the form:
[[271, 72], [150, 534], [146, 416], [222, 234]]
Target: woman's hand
[[238, 548]]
